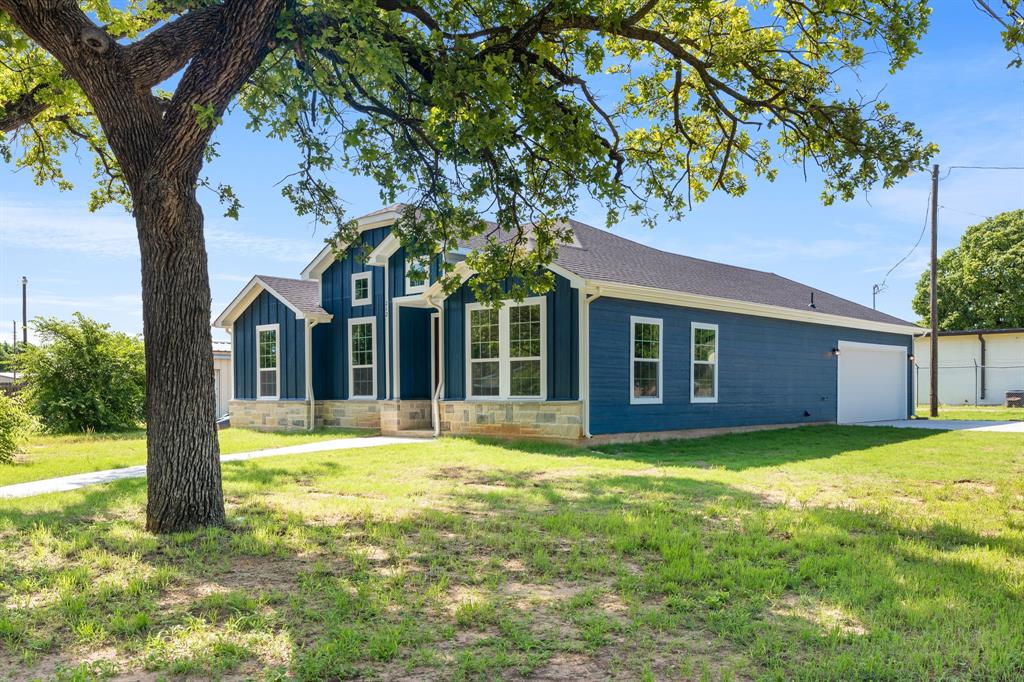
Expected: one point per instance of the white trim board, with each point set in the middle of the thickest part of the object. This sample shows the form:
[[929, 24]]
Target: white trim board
[[248, 294], [707, 326], [634, 320]]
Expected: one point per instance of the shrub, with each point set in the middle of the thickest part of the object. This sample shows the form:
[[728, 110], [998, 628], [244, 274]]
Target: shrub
[[81, 376], [14, 426]]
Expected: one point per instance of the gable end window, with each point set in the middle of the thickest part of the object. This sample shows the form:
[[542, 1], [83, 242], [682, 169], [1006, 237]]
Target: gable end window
[[268, 355], [362, 353], [506, 350], [416, 278], [362, 288], [645, 371], [703, 362]]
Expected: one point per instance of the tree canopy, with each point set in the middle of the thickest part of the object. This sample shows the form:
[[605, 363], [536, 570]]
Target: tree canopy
[[981, 281], [514, 108]]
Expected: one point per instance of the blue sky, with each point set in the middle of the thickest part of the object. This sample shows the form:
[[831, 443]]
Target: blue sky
[[958, 91]]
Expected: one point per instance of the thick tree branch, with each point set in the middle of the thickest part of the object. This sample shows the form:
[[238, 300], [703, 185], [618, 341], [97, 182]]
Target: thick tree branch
[[22, 110], [213, 78], [167, 50]]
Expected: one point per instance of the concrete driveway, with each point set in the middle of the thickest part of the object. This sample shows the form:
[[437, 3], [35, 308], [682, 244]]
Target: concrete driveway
[[954, 425]]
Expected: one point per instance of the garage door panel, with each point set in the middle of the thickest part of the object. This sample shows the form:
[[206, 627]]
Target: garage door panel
[[872, 383]]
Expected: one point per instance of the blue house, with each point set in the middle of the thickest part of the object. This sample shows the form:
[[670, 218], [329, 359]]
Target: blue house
[[630, 342]]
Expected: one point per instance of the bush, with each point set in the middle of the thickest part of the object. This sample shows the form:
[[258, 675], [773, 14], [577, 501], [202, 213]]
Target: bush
[[15, 425], [82, 377]]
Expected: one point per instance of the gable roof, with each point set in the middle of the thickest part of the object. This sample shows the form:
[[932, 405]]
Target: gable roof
[[302, 296], [382, 217]]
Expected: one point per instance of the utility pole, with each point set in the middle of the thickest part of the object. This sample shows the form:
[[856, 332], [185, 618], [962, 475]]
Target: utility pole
[[24, 310], [933, 302]]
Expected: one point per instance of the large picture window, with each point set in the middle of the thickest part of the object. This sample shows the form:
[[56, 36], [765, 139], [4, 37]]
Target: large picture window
[[645, 372], [506, 350], [362, 350], [267, 362], [704, 362]]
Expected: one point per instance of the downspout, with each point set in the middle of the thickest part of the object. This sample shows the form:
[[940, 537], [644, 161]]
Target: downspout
[[309, 373], [435, 399], [585, 357], [387, 329], [981, 339]]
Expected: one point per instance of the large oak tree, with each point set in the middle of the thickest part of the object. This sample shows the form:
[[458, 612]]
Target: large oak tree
[[512, 107]]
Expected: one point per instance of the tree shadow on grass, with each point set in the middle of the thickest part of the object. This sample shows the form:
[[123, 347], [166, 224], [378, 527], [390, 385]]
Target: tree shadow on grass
[[738, 451], [511, 573]]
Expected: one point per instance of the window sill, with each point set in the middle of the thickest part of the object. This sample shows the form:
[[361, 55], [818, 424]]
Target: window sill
[[645, 401], [703, 400]]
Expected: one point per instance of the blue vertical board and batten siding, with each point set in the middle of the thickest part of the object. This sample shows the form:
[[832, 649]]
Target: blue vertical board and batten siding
[[266, 309], [414, 353], [562, 341], [770, 371], [330, 340]]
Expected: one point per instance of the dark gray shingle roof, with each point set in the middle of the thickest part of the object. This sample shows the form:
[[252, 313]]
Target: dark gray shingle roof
[[303, 294], [601, 255]]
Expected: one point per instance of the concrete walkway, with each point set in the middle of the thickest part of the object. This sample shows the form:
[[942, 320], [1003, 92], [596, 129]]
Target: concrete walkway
[[954, 425], [65, 483]]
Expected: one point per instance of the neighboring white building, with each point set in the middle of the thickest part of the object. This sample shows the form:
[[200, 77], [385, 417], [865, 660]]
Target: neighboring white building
[[976, 366], [222, 375]]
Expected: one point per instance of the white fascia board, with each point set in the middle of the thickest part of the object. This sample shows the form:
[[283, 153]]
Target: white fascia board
[[653, 295], [387, 248], [240, 302], [323, 260]]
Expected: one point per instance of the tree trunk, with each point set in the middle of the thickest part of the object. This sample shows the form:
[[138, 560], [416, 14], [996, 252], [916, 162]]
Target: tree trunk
[[183, 466]]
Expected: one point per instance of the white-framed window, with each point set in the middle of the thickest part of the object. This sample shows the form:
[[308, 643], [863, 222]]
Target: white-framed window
[[268, 357], [362, 354], [416, 277], [506, 350], [645, 360], [362, 288], [703, 362]]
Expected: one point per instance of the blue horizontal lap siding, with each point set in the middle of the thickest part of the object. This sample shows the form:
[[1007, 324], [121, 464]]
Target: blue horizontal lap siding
[[330, 340], [562, 341], [292, 346], [770, 371]]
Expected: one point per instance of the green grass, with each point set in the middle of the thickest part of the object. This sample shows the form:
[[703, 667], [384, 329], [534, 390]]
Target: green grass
[[983, 412], [46, 456], [826, 552]]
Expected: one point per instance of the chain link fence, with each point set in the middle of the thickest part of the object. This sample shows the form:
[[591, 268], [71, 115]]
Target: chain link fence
[[970, 384]]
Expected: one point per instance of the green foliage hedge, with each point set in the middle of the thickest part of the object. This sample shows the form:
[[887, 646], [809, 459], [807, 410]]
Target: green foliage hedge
[[82, 376], [15, 425]]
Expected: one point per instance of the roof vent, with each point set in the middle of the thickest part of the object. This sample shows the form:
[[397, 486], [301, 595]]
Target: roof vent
[[812, 301]]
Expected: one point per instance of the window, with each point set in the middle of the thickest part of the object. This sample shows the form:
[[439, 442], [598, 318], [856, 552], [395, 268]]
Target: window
[[267, 356], [362, 288], [704, 363], [506, 350], [362, 373], [416, 277], [645, 373]]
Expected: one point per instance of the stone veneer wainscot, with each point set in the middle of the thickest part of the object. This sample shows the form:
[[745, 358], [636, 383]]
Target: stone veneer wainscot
[[561, 419]]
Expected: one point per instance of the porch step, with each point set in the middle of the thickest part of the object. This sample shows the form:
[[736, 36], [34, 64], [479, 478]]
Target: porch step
[[412, 433]]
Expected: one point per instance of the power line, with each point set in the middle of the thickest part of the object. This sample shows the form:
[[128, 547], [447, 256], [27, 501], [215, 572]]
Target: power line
[[920, 237], [950, 169], [957, 210]]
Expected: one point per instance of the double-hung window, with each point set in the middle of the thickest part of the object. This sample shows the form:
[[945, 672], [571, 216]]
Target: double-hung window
[[267, 362], [362, 372], [505, 350], [704, 362], [362, 288], [645, 371]]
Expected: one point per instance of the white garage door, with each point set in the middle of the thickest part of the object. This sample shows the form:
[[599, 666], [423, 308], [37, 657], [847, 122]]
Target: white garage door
[[872, 382]]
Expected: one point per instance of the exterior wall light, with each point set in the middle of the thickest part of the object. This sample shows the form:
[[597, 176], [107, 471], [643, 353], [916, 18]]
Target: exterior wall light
[[911, 358], [835, 352]]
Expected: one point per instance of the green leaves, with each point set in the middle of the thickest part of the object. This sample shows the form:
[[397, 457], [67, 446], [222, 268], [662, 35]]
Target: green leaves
[[981, 281]]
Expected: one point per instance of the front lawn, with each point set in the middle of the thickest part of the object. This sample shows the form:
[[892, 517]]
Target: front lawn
[[50, 456], [818, 553], [983, 412]]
